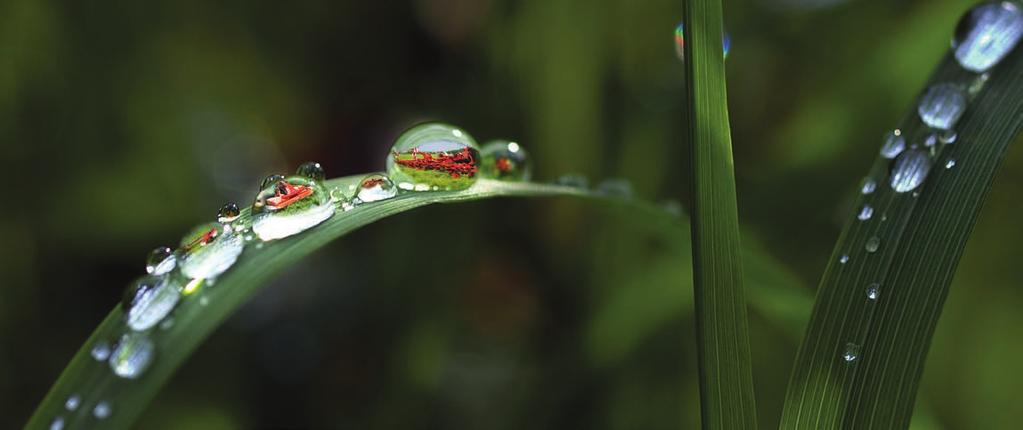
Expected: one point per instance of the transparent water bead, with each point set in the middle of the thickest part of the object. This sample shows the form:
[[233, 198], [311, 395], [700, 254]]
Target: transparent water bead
[[160, 260], [312, 170], [102, 410], [950, 164], [209, 250], [505, 160], [869, 185], [148, 300], [851, 353], [57, 423], [72, 402], [616, 188], [865, 213], [290, 206], [133, 355], [941, 106], [986, 34], [910, 170], [375, 187], [948, 137], [100, 351], [680, 42], [434, 156], [872, 244], [228, 213], [894, 144], [843, 259], [873, 291]]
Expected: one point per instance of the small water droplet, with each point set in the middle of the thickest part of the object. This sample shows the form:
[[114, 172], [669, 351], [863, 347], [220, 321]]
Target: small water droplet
[[160, 260], [101, 411], [100, 351], [133, 355], [620, 188], [869, 185], [950, 163], [72, 402], [167, 324], [884, 217], [910, 170], [894, 144], [851, 353], [865, 213], [574, 180], [57, 424], [843, 259], [873, 291], [209, 250], [311, 170], [978, 84], [290, 206], [948, 137], [270, 180], [942, 105], [148, 300], [376, 187], [228, 213], [986, 34], [680, 42], [930, 140], [434, 155], [504, 160], [872, 244]]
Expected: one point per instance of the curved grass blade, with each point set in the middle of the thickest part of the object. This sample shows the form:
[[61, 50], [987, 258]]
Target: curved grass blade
[[726, 371], [861, 360]]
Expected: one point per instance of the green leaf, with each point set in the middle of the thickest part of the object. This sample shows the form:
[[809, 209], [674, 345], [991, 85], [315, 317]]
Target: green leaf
[[921, 236], [726, 374]]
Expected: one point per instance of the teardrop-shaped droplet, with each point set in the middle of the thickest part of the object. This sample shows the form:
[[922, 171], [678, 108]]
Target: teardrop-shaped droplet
[[620, 188], [851, 353], [843, 259], [290, 206], [872, 244], [866, 212], [873, 291], [148, 300], [434, 156], [160, 260], [986, 34], [910, 170], [209, 250], [101, 410], [311, 170], [894, 144], [869, 185], [228, 213], [942, 105], [375, 187], [504, 160], [72, 402], [680, 42], [573, 180], [100, 351], [133, 355], [950, 164]]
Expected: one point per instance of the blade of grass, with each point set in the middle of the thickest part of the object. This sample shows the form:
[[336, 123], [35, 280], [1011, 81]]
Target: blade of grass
[[921, 239], [726, 373]]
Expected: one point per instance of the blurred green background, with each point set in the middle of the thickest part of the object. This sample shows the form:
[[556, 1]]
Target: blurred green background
[[125, 123]]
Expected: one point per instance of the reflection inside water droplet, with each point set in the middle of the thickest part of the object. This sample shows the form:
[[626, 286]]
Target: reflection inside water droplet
[[375, 187], [873, 290], [100, 351], [986, 34], [504, 160], [160, 260], [950, 164], [148, 300], [101, 411], [910, 170], [133, 355], [209, 250], [865, 213], [290, 206], [872, 244], [843, 259], [869, 185], [942, 105], [229, 212], [312, 170], [894, 144], [434, 156]]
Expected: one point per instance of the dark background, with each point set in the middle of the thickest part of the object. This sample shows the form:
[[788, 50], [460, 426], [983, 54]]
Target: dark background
[[125, 123]]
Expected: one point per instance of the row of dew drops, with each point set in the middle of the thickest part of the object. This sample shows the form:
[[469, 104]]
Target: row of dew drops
[[985, 35], [427, 157]]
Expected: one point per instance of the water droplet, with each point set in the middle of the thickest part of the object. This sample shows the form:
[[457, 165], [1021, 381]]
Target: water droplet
[[574, 180], [894, 144], [872, 244], [100, 351], [290, 206], [376, 187], [930, 140], [228, 213], [942, 105], [312, 170], [57, 424], [337, 195], [950, 164], [865, 213], [101, 411], [161, 260], [851, 353], [873, 291], [910, 170], [270, 180], [72, 402], [434, 155], [504, 160], [616, 188], [948, 137], [869, 185], [986, 34], [209, 250], [978, 84], [680, 42], [147, 301], [843, 259], [133, 355]]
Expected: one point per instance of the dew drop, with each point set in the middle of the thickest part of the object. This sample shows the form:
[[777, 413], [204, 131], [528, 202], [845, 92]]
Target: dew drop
[[986, 34], [504, 160], [869, 185], [376, 187], [865, 213], [894, 144], [930, 140], [228, 213], [620, 188], [978, 84], [872, 244], [873, 291], [434, 155], [950, 164], [851, 353], [942, 105], [72, 402], [209, 250], [948, 137], [290, 206], [270, 180], [148, 300], [57, 424], [910, 170], [312, 170], [133, 355], [100, 351], [101, 411], [680, 42], [574, 180], [160, 260], [843, 259]]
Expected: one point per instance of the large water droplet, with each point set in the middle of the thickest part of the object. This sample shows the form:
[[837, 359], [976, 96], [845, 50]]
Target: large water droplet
[[680, 42], [228, 213], [270, 180], [434, 156], [149, 300], [865, 213], [161, 260], [894, 144], [851, 353], [290, 206], [312, 170], [872, 244], [873, 291], [986, 34], [133, 355], [869, 185], [910, 170], [209, 250], [72, 402], [504, 160], [100, 351], [942, 105], [375, 187], [102, 410]]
